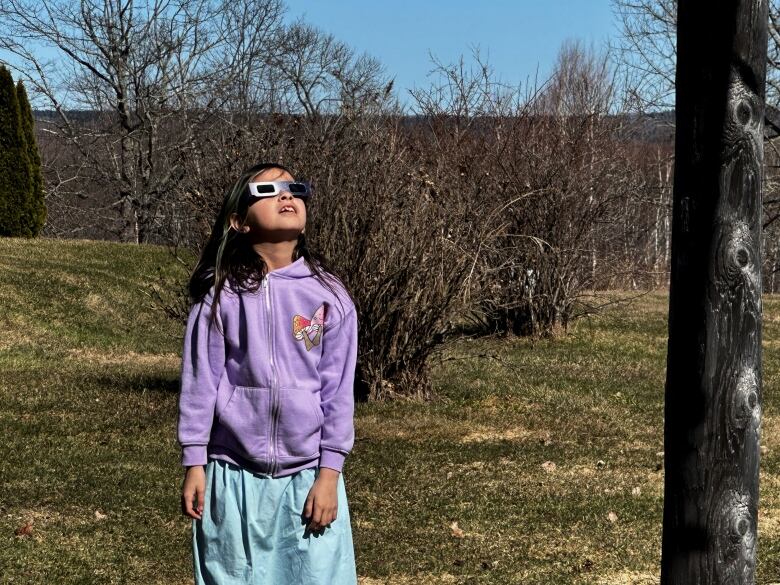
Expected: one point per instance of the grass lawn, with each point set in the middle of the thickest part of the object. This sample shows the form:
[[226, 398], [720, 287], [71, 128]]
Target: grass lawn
[[540, 466]]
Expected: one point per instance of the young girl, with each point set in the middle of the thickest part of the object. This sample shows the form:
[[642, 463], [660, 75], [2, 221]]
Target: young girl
[[266, 406]]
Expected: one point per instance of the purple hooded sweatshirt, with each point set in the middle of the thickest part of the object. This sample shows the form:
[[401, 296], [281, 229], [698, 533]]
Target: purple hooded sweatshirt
[[275, 394]]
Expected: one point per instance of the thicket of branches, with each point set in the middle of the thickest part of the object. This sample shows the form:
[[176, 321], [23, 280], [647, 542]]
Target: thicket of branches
[[480, 208]]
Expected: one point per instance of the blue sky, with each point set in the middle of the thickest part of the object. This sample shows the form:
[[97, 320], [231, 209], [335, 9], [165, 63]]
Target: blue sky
[[517, 36]]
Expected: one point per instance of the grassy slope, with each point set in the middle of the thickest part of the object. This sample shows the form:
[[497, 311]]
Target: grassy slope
[[88, 387]]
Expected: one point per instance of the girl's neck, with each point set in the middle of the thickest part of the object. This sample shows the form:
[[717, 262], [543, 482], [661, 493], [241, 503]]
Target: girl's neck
[[275, 254]]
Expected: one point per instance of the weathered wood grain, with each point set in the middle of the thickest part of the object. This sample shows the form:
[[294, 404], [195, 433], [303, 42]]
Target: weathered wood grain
[[713, 385]]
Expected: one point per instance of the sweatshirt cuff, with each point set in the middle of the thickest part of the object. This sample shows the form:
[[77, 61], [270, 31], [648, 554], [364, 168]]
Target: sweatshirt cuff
[[332, 459], [193, 455]]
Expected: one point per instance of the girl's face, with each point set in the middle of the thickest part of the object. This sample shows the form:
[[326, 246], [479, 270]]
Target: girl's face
[[265, 219]]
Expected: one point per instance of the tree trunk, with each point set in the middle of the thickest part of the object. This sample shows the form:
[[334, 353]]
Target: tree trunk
[[128, 231], [713, 385]]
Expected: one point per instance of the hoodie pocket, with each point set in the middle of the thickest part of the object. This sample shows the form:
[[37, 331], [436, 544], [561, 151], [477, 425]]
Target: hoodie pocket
[[300, 423], [247, 416]]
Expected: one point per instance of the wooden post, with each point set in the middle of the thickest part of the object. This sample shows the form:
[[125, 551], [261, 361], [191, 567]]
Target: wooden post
[[713, 384]]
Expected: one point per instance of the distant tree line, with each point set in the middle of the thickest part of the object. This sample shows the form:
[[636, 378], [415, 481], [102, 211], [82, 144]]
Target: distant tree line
[[22, 207]]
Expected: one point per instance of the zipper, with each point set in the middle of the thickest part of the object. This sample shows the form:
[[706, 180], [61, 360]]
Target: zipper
[[274, 409]]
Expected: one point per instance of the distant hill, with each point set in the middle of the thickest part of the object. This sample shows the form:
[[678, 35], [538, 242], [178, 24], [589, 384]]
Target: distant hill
[[649, 127]]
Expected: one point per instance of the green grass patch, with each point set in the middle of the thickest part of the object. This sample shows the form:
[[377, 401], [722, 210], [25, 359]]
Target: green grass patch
[[538, 465]]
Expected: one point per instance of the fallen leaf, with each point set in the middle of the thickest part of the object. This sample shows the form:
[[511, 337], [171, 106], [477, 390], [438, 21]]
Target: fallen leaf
[[456, 532], [612, 517], [100, 516], [636, 491], [548, 466], [24, 530]]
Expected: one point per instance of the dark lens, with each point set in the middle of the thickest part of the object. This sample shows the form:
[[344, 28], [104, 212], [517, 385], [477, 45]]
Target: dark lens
[[265, 189], [297, 188]]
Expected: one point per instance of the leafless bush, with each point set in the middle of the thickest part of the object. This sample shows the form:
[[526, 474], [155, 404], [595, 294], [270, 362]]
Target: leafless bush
[[377, 216], [546, 167]]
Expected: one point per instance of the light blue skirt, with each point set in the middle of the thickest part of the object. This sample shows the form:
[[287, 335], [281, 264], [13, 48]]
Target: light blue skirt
[[252, 532]]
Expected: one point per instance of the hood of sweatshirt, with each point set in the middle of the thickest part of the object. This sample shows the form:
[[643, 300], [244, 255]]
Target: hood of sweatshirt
[[296, 269]]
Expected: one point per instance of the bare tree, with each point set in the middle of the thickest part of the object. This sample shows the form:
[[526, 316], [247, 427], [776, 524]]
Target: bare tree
[[322, 75], [546, 166], [150, 72], [648, 50]]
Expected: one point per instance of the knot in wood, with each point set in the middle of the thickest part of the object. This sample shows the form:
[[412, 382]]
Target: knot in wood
[[742, 526], [735, 536], [743, 127], [742, 256], [735, 262], [745, 400], [744, 104], [744, 112]]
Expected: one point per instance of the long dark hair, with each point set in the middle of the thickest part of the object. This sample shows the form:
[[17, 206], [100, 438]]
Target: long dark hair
[[228, 255]]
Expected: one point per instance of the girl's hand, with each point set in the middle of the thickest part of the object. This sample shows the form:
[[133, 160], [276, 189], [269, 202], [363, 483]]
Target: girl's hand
[[192, 492], [322, 501]]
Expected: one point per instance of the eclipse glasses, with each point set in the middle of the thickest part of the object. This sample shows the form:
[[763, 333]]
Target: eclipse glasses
[[271, 188]]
